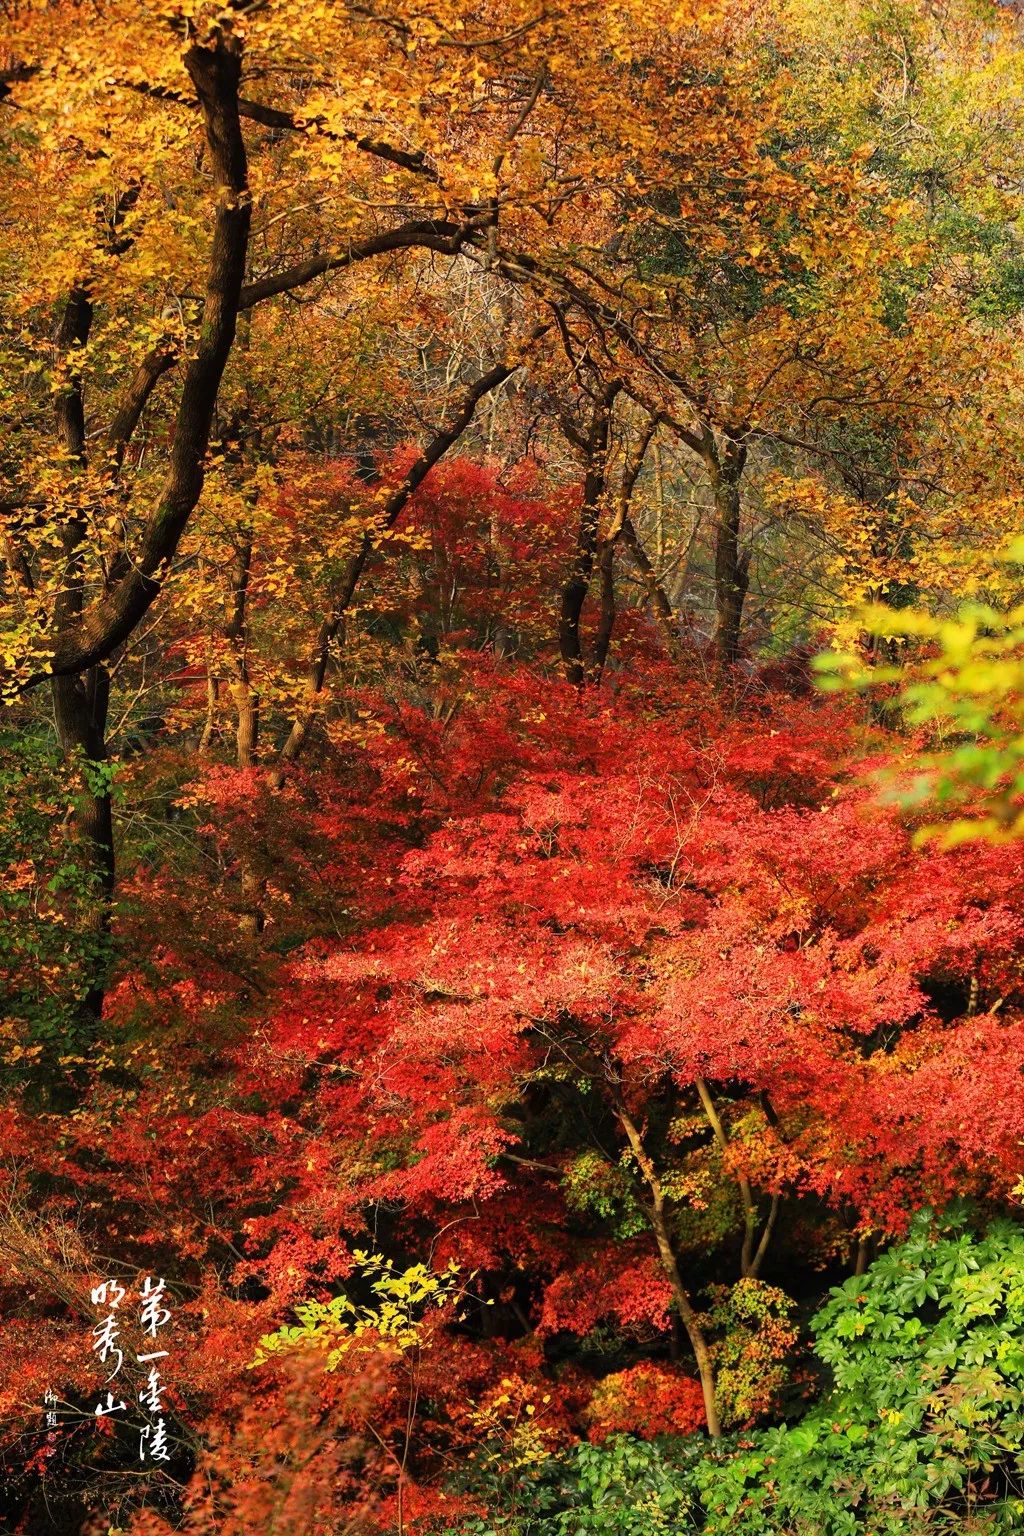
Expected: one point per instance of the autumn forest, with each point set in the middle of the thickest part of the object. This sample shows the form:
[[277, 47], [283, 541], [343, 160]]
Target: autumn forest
[[511, 768]]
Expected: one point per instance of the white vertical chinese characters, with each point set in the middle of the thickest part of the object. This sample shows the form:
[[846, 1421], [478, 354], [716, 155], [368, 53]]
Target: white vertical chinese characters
[[154, 1315], [105, 1336]]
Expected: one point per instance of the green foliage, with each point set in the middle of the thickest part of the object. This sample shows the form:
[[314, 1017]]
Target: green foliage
[[627, 1487], [100, 777], [623, 1487], [53, 946], [922, 1430], [599, 1188]]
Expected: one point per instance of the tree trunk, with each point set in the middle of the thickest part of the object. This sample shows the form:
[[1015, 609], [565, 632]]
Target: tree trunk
[[751, 1259], [245, 698], [574, 592], [80, 688], [81, 641], [732, 563], [80, 702], [606, 562], [606, 612], [659, 1224], [247, 723]]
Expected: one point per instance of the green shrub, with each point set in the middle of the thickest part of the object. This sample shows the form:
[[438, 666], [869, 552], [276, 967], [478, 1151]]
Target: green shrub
[[924, 1428], [921, 1432], [622, 1487]]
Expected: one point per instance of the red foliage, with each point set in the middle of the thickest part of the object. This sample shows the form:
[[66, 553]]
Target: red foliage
[[645, 1400], [524, 916]]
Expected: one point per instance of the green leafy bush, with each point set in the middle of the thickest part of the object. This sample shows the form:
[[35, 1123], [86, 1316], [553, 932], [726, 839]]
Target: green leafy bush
[[53, 946], [623, 1487], [924, 1429], [921, 1432]]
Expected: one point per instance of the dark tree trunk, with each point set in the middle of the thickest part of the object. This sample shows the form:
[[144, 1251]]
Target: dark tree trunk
[[95, 632], [606, 562], [606, 610], [574, 592], [80, 702], [80, 688], [247, 724], [732, 562]]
